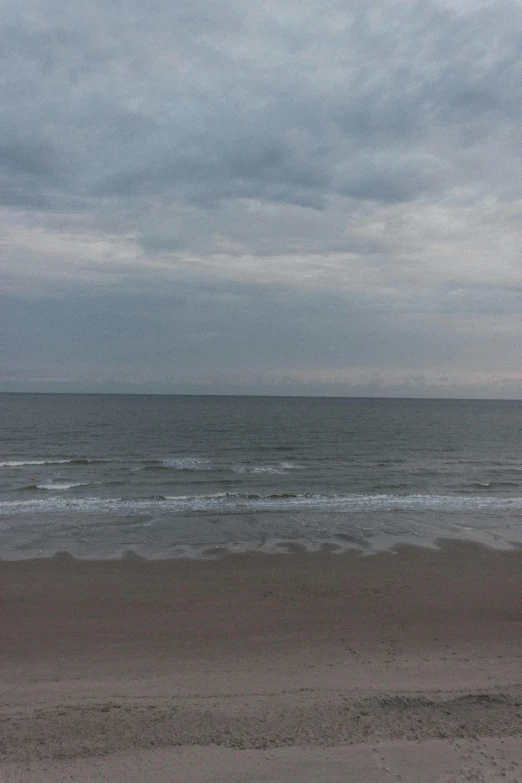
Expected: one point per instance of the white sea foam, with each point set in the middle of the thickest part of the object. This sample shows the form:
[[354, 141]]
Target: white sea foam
[[279, 467], [15, 463], [237, 503], [187, 463], [63, 485]]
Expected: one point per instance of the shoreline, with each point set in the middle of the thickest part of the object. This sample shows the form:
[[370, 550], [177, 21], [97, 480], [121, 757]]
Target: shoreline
[[253, 652], [363, 542]]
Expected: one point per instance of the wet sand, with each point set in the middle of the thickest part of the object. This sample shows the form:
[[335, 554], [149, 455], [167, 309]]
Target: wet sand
[[264, 667]]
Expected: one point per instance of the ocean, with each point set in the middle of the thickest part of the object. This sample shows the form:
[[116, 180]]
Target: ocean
[[110, 476]]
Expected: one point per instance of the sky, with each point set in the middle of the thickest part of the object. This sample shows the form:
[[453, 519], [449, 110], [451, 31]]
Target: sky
[[279, 197]]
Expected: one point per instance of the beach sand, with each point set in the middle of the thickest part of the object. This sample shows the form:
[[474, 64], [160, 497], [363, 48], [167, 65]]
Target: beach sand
[[397, 666]]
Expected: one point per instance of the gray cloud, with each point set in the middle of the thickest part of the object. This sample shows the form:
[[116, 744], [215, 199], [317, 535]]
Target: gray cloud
[[135, 105], [318, 195]]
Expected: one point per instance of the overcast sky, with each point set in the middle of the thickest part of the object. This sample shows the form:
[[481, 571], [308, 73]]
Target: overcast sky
[[285, 197]]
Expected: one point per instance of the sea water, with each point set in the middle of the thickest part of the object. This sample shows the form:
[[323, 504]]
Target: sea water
[[103, 476]]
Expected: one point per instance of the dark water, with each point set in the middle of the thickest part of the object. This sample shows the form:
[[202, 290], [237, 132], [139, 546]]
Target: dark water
[[166, 476]]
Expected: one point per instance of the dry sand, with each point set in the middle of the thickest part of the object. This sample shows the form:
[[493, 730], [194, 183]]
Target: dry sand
[[399, 666]]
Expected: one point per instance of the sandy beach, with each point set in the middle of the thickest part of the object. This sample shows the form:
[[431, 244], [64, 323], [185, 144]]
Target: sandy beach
[[397, 666]]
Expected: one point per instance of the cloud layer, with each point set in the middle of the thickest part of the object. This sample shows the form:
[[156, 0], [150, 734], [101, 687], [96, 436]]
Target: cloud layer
[[313, 197]]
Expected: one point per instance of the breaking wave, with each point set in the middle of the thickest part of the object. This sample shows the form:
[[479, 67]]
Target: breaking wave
[[60, 486], [14, 463], [229, 502], [280, 467]]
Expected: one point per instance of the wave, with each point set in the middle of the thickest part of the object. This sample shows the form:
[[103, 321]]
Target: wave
[[492, 485], [179, 463], [229, 502], [188, 463], [14, 463], [280, 467], [59, 486], [56, 486], [88, 461], [204, 463]]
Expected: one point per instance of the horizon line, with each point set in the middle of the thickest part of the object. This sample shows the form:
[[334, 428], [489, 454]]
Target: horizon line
[[263, 395]]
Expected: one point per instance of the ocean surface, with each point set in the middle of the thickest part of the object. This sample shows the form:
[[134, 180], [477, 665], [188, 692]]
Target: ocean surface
[[105, 476]]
